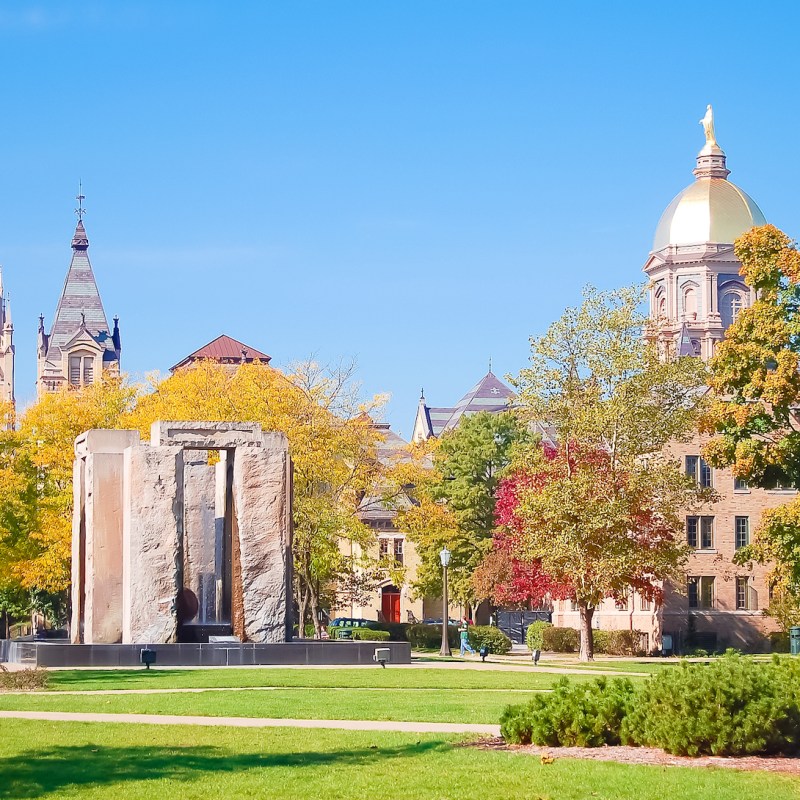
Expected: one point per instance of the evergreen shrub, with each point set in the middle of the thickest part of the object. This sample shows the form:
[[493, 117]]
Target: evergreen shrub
[[733, 706], [429, 637], [618, 643], [497, 642], [779, 642], [560, 640], [534, 636], [574, 714], [397, 630]]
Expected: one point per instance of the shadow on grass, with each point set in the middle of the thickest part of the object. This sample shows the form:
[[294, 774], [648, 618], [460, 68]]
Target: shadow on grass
[[37, 773], [120, 678]]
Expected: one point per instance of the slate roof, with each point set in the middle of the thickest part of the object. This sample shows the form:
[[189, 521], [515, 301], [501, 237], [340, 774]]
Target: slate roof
[[489, 394], [224, 350], [79, 307]]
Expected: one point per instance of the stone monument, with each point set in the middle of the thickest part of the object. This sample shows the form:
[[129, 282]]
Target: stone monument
[[183, 537]]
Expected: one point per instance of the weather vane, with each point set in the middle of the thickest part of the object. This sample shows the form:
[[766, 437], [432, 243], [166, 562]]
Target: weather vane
[[80, 198]]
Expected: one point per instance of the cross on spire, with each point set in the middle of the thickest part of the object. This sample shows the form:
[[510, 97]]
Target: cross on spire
[[80, 198]]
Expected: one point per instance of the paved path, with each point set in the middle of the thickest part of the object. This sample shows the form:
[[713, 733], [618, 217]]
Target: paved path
[[256, 722]]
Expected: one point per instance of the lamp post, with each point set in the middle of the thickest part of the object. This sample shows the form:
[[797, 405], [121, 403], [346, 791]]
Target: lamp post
[[444, 555]]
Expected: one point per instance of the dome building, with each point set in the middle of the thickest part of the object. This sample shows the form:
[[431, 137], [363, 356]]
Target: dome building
[[696, 290]]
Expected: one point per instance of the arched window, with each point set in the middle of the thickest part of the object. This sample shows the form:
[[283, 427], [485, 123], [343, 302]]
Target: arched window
[[732, 303], [690, 302], [660, 305]]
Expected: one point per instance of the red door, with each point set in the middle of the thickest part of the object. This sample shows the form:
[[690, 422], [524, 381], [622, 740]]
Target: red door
[[390, 604]]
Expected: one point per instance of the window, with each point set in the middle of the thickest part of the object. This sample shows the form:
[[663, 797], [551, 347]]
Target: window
[[384, 547], [398, 551], [740, 485], [621, 604], [645, 604], [690, 303], [700, 532], [697, 468], [75, 370], [742, 531], [742, 594], [701, 592], [732, 304], [88, 369]]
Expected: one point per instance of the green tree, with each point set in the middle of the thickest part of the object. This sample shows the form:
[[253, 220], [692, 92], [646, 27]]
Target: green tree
[[600, 512], [755, 376], [455, 501]]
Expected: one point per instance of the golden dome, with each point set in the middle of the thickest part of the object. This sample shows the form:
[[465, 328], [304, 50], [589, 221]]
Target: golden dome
[[711, 210]]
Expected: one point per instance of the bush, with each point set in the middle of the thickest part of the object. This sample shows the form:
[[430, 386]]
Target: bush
[[370, 635], [493, 638], [534, 636], [397, 630], [429, 637], [560, 640], [733, 706], [618, 643], [583, 715], [24, 680], [779, 642]]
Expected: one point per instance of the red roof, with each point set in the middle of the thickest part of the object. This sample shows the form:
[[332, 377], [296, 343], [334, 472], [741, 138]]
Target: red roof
[[225, 350]]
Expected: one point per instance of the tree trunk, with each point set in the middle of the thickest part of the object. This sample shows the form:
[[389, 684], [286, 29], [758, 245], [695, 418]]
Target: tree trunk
[[587, 639]]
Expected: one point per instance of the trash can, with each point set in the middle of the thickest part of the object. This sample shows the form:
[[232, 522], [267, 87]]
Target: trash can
[[794, 641]]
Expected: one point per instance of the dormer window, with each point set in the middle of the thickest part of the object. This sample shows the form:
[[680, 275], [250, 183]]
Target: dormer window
[[81, 370]]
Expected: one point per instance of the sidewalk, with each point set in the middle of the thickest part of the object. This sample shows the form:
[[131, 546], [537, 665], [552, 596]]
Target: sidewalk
[[255, 722]]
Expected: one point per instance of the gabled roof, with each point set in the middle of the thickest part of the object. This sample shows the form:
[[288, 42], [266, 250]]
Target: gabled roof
[[224, 350], [489, 394]]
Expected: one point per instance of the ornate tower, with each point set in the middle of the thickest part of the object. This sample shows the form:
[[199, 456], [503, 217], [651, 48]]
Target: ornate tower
[[79, 346], [696, 288], [6, 347]]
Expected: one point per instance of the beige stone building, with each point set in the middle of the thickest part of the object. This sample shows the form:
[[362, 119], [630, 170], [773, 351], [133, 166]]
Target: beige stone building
[[80, 346], [696, 293], [6, 347]]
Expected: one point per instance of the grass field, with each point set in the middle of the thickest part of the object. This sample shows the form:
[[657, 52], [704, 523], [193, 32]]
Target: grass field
[[86, 680], [131, 762]]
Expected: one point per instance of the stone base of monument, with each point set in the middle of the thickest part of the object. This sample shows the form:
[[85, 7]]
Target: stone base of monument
[[309, 652]]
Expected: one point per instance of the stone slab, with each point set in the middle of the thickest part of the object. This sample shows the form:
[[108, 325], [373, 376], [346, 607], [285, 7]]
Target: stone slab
[[206, 435], [262, 505], [152, 537]]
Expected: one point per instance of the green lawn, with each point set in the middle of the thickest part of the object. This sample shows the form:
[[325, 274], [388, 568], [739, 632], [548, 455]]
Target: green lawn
[[127, 762], [433, 705], [161, 678]]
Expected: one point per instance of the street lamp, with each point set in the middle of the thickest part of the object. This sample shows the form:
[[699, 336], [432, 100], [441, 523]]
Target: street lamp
[[444, 555]]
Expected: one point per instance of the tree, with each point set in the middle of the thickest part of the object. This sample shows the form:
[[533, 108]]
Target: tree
[[599, 513], [455, 500], [333, 447], [754, 419]]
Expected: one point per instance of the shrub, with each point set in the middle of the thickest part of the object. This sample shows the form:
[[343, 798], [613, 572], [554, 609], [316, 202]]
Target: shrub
[[560, 640], [534, 636], [397, 630], [779, 642], [493, 638], [583, 715], [618, 643], [429, 637], [370, 635], [24, 680], [733, 706]]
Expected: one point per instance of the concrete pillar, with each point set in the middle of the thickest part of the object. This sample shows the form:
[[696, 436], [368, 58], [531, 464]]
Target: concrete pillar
[[152, 533], [262, 503]]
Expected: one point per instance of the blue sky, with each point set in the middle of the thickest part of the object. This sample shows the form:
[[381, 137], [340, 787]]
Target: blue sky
[[416, 185]]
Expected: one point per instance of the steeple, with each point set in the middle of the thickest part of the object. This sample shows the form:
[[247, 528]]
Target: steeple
[[80, 344]]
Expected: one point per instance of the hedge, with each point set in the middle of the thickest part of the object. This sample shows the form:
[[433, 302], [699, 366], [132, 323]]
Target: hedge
[[429, 637], [560, 640], [731, 707], [618, 643], [493, 638], [370, 635]]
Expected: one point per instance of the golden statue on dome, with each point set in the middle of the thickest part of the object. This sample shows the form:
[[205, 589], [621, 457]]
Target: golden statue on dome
[[708, 126]]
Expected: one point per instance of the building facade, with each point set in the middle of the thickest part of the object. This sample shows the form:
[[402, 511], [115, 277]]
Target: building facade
[[6, 348], [80, 346], [696, 292]]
